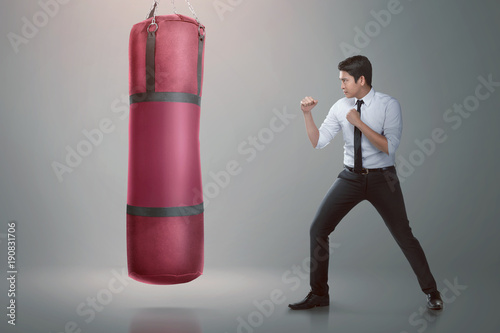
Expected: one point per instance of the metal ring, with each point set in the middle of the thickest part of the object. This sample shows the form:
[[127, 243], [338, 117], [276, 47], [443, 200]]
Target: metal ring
[[200, 27], [149, 26]]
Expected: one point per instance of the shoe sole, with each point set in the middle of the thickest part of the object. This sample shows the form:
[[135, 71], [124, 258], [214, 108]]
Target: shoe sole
[[435, 309], [316, 306]]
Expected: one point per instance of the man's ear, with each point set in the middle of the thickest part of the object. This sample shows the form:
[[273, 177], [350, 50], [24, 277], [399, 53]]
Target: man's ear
[[362, 80]]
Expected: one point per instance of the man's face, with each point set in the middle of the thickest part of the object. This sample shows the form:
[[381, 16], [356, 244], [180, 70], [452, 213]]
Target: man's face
[[350, 88]]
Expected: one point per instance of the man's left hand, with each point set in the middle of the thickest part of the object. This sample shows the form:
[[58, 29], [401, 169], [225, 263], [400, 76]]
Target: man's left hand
[[353, 117]]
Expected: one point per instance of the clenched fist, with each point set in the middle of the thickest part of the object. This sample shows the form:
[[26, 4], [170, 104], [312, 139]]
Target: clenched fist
[[307, 104], [353, 117]]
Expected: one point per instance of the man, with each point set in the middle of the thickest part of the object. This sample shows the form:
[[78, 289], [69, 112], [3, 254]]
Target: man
[[371, 125]]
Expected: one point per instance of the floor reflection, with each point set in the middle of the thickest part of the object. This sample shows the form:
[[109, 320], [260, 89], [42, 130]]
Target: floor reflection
[[165, 320], [428, 318], [319, 319]]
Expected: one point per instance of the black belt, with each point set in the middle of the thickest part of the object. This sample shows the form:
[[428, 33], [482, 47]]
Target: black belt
[[366, 171]]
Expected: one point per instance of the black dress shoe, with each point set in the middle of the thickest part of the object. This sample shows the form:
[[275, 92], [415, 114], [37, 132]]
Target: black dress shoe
[[310, 302], [434, 301]]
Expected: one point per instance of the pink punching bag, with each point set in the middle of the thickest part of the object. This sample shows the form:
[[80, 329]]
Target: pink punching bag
[[164, 202]]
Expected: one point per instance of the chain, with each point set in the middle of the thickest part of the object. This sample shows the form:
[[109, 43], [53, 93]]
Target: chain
[[173, 5], [156, 3], [192, 11]]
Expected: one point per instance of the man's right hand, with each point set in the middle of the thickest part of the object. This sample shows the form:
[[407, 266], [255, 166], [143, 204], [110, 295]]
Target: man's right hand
[[307, 104]]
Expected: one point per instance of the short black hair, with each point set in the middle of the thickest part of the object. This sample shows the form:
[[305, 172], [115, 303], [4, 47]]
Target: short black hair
[[357, 66]]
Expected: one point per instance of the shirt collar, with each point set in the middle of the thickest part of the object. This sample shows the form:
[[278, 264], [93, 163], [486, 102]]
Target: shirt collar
[[367, 99]]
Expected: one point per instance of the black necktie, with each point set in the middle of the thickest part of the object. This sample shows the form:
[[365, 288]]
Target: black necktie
[[358, 164]]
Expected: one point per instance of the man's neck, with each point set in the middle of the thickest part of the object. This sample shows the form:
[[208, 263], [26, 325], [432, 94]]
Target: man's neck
[[363, 93]]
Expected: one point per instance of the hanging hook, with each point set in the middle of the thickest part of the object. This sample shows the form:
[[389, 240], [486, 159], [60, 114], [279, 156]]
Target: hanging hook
[[152, 11]]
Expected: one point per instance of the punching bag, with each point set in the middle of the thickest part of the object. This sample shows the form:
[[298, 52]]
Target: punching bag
[[164, 197]]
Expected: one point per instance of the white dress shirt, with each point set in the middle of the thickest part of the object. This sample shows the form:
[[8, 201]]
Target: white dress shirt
[[381, 112]]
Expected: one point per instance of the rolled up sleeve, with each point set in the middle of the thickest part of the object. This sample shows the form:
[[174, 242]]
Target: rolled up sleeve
[[328, 129], [393, 126]]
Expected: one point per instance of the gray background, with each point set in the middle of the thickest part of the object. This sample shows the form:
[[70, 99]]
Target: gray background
[[261, 57]]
